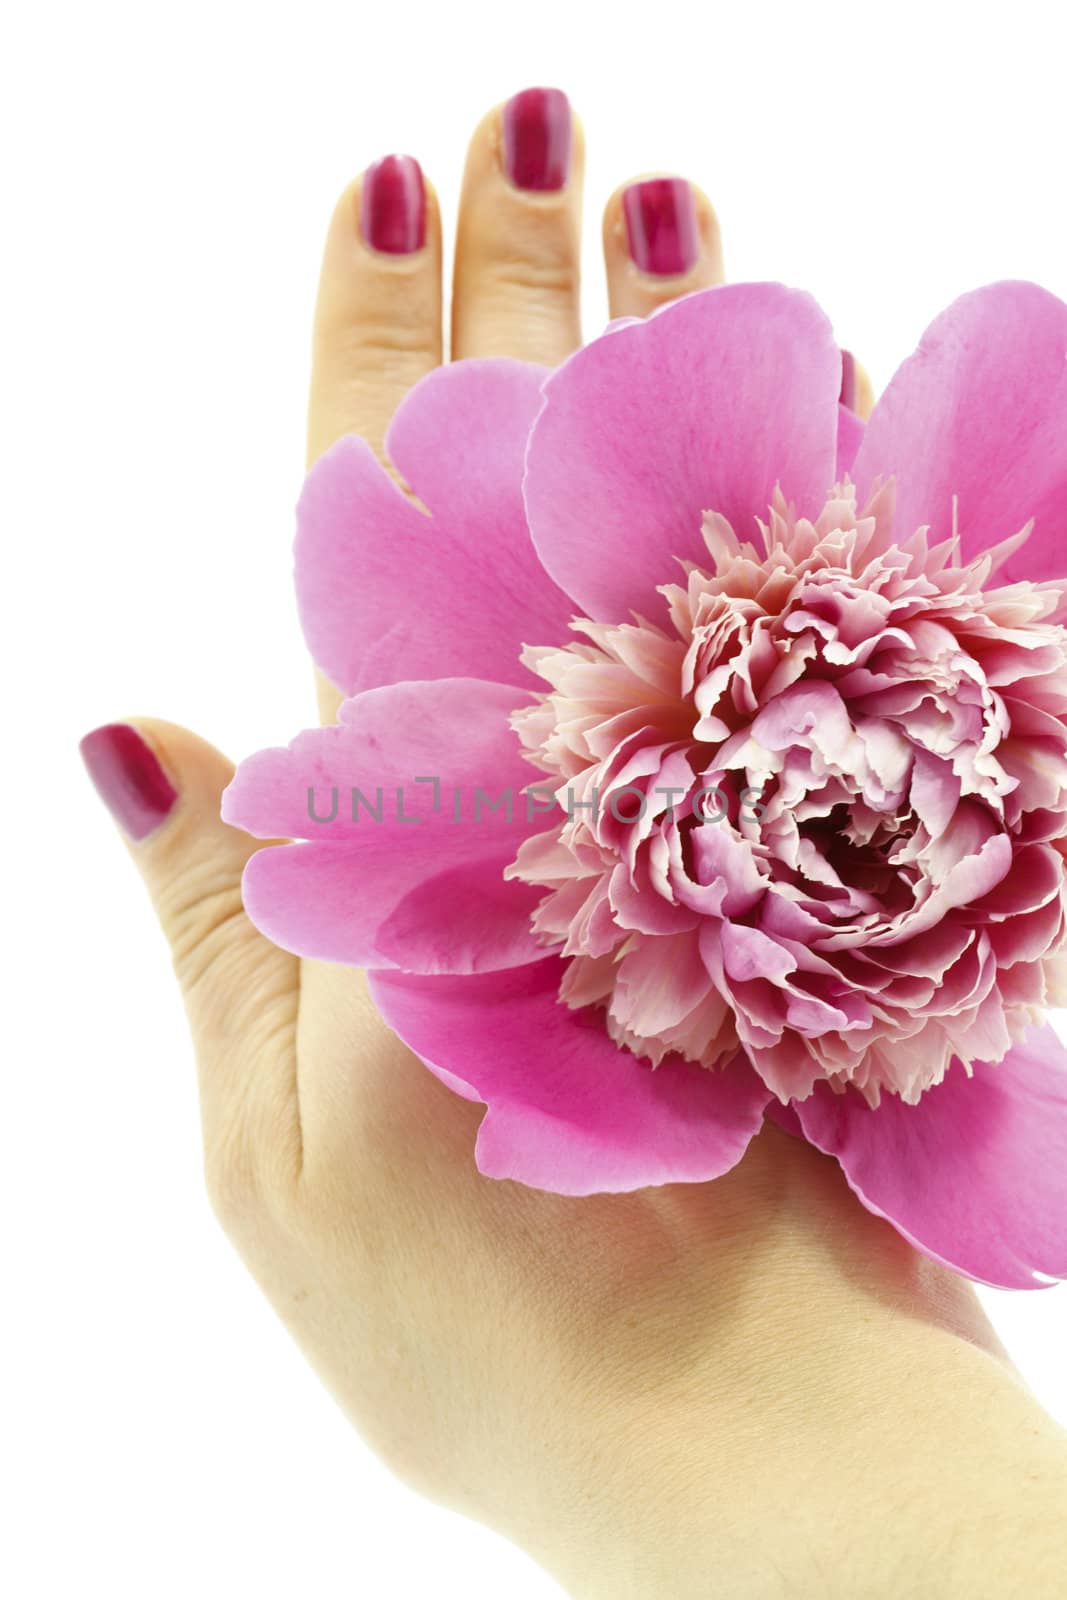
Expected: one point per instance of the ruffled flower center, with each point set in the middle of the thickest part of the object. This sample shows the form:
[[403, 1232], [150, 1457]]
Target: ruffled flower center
[[819, 814]]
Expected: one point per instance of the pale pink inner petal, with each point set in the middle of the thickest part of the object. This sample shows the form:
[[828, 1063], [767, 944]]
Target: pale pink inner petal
[[817, 813]]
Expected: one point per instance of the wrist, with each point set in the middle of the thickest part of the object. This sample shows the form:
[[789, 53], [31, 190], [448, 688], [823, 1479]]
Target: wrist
[[925, 1469], [822, 1411]]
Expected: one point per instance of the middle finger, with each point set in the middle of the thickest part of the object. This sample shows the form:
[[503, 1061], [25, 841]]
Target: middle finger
[[516, 284]]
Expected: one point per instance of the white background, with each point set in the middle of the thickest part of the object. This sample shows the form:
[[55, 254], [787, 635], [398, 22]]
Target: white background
[[168, 175]]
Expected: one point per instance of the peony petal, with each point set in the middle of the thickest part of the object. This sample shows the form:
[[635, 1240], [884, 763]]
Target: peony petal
[[660, 982], [568, 1110], [346, 903], [706, 406], [412, 874], [974, 1174], [979, 412], [849, 438], [459, 442], [388, 593], [399, 737]]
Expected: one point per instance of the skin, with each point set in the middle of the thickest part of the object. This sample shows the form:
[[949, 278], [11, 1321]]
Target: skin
[[750, 1388]]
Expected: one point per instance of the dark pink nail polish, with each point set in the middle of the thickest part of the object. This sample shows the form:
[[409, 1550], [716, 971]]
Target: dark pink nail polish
[[661, 225], [128, 778], [848, 380], [392, 206], [537, 139]]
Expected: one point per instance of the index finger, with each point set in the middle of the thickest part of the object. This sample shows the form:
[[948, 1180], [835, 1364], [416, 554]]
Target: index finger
[[377, 327]]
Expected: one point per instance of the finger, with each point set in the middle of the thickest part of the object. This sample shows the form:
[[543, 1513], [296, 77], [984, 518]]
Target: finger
[[857, 391], [378, 314], [377, 324], [516, 280], [661, 239], [163, 786]]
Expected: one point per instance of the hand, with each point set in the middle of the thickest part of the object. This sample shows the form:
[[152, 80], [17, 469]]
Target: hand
[[682, 1390]]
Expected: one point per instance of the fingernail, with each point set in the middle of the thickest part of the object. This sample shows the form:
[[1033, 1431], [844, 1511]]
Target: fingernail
[[537, 139], [128, 778], [848, 380], [661, 225], [392, 206]]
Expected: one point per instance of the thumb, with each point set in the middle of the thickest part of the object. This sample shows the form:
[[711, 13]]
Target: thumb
[[163, 786]]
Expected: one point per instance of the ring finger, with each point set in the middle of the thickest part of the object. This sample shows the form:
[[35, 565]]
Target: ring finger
[[661, 240]]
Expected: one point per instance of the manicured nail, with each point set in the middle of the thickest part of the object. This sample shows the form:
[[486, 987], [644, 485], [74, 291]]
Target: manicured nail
[[128, 778], [848, 380], [661, 225], [392, 206], [537, 139]]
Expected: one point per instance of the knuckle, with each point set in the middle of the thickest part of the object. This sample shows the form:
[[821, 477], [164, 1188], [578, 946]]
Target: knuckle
[[390, 341], [549, 277], [371, 344], [200, 923], [215, 950]]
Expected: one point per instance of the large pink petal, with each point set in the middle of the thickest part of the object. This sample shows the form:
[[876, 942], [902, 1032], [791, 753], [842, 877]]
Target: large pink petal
[[454, 730], [410, 876], [459, 442], [387, 592], [568, 1110], [849, 438], [979, 413], [706, 406], [975, 1175], [366, 908]]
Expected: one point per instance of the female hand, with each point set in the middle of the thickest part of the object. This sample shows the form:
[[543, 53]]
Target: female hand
[[680, 1389]]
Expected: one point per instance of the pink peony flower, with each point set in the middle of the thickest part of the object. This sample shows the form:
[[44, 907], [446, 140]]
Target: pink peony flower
[[706, 758]]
